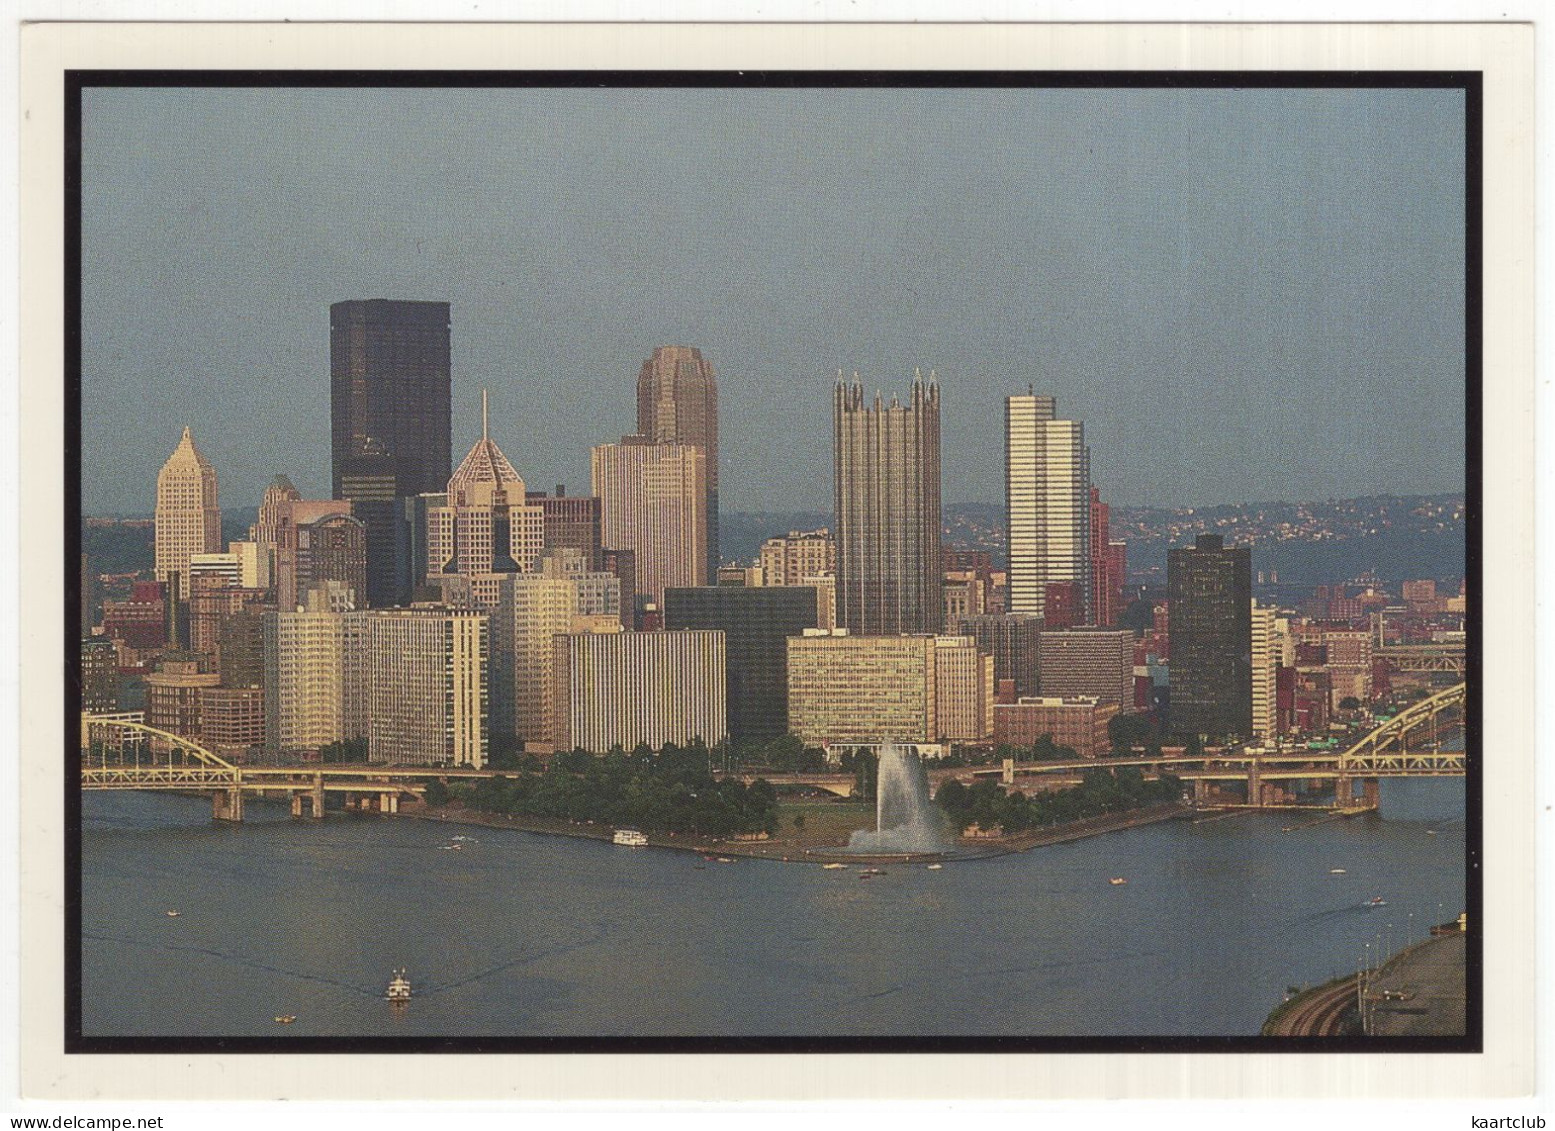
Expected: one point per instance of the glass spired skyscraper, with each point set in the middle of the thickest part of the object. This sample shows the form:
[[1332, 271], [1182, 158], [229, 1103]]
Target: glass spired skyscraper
[[390, 424], [887, 477], [1048, 505]]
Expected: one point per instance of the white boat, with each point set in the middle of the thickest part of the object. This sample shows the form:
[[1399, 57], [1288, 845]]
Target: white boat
[[1117, 881], [935, 867], [1336, 871], [1376, 901], [173, 914], [629, 837], [833, 867], [399, 987]]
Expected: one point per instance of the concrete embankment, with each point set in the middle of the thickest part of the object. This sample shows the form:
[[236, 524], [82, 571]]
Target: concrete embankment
[[1419, 992]]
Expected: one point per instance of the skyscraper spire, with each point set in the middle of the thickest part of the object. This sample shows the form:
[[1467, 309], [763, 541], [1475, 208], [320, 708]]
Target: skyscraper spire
[[485, 432]]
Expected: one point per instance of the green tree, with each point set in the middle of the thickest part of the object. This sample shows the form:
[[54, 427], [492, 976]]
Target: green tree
[[437, 792]]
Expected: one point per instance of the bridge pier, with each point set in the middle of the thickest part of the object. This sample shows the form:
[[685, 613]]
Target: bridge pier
[[1009, 771], [317, 796], [297, 805], [1200, 791], [227, 805], [1344, 791], [1254, 784], [1371, 793]]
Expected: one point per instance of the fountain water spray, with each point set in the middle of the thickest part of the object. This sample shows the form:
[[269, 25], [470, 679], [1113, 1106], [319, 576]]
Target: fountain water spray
[[905, 820]]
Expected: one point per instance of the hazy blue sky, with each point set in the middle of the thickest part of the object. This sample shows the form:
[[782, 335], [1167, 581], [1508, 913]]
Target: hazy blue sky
[[1245, 295]]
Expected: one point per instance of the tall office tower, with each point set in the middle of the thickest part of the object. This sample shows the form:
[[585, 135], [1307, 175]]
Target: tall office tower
[[788, 559], [1012, 639], [302, 688], [390, 423], [653, 501], [427, 686], [677, 402], [188, 520], [756, 622], [485, 529], [1087, 662], [1106, 558], [639, 688], [544, 608], [1117, 576], [888, 511], [1266, 667], [1048, 503], [1210, 616]]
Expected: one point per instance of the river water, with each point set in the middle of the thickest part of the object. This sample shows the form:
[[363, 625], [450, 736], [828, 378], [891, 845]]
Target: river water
[[523, 935]]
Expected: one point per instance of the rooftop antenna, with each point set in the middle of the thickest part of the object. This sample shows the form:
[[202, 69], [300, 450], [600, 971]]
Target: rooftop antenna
[[483, 416]]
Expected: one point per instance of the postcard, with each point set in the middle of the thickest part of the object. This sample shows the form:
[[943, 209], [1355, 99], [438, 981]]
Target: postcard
[[776, 562]]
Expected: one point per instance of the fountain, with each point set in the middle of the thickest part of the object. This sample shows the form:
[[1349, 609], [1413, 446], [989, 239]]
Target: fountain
[[905, 820]]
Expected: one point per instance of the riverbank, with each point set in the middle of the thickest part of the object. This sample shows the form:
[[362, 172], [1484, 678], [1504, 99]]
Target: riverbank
[[821, 845]]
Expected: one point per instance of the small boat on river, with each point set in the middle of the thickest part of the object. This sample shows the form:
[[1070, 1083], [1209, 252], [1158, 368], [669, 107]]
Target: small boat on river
[[1117, 881], [398, 992]]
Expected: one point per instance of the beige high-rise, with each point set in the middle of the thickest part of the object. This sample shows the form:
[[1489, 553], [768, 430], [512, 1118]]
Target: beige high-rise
[[653, 501], [640, 688], [188, 519], [427, 686], [543, 609], [677, 402]]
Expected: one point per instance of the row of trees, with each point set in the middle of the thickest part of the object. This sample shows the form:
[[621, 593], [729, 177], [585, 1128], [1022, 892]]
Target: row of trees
[[672, 791], [1103, 790]]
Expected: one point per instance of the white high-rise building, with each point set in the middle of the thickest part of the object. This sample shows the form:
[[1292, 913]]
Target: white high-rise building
[[1048, 501], [188, 519], [1266, 666], [427, 686], [304, 689]]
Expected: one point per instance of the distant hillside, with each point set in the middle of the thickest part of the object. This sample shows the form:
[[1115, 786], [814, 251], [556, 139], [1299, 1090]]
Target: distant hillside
[[1392, 536]]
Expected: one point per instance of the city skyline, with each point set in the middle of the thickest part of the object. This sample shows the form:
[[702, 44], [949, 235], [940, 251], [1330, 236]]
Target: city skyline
[[1135, 226]]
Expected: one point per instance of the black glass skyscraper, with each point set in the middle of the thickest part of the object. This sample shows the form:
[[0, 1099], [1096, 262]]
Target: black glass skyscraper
[[390, 434], [757, 623], [1210, 623]]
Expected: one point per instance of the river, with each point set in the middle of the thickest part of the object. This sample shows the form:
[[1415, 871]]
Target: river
[[523, 935]]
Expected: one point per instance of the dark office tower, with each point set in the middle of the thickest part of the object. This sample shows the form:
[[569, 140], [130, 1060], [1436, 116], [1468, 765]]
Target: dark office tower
[[391, 439], [677, 402], [1211, 633], [888, 511], [571, 521], [756, 623], [1013, 640], [99, 676]]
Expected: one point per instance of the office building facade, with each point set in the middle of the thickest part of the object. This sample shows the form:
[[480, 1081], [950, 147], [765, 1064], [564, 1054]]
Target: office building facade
[[1093, 663], [653, 502], [757, 623], [426, 686], [1048, 504], [677, 403], [1210, 629], [887, 504], [629, 689], [188, 516], [391, 424]]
